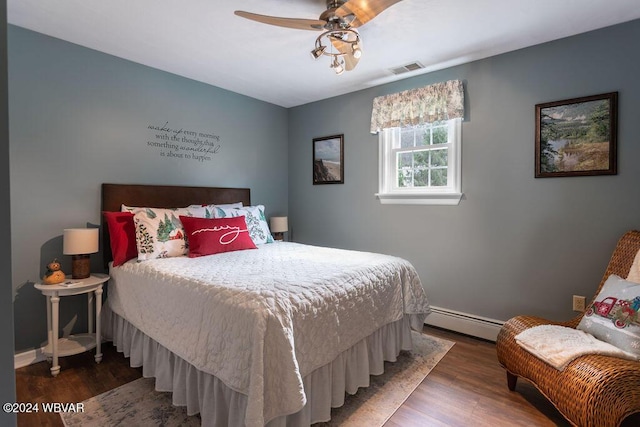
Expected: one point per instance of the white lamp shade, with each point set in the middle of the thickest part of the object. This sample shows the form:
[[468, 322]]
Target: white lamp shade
[[80, 241], [279, 224]]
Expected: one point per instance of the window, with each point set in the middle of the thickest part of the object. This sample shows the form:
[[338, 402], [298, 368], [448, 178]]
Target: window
[[419, 136], [421, 164]]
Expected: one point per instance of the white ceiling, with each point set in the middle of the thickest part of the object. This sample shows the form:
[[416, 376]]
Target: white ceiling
[[203, 39]]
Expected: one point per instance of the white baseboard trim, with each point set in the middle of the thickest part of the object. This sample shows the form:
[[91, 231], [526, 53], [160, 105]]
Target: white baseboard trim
[[470, 324], [29, 357]]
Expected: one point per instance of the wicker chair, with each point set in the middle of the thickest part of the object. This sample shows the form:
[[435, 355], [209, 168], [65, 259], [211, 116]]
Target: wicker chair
[[592, 390]]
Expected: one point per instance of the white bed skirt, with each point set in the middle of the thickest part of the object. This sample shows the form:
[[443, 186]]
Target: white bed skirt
[[221, 406]]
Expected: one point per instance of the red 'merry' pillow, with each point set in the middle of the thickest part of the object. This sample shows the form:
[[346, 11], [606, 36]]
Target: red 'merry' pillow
[[208, 236]]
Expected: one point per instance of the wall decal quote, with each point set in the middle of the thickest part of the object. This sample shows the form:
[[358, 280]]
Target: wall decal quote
[[180, 143]]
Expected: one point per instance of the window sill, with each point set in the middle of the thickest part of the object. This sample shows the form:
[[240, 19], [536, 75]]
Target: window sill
[[447, 199]]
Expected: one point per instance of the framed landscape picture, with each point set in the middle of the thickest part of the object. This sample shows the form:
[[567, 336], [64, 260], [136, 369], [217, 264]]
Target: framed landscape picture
[[328, 160], [577, 137]]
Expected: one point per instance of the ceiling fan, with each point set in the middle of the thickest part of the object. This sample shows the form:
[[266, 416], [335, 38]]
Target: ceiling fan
[[338, 23]]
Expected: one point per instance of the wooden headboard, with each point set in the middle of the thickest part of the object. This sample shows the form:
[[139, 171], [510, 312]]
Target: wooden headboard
[[162, 196]]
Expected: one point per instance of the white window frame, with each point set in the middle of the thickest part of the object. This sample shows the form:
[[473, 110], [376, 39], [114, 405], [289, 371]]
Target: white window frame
[[390, 193]]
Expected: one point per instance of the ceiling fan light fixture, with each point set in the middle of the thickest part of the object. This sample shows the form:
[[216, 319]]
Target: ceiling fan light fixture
[[343, 47], [337, 66], [318, 51], [357, 51], [339, 21]]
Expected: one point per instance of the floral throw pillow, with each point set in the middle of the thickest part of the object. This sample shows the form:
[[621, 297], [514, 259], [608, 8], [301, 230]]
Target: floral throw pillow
[[255, 218], [159, 232], [614, 316]]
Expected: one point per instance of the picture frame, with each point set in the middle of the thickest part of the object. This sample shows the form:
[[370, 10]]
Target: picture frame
[[577, 137], [328, 160]]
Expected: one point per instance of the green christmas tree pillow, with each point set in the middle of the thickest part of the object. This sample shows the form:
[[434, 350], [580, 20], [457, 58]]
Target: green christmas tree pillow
[[159, 232]]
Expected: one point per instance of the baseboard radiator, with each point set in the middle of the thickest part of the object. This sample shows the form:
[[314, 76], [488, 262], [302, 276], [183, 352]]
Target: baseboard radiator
[[465, 323]]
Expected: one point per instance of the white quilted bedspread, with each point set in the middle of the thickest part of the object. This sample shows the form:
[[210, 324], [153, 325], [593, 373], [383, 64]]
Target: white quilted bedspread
[[262, 319]]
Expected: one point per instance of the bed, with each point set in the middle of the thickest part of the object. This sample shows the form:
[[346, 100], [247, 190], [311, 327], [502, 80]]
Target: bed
[[274, 336]]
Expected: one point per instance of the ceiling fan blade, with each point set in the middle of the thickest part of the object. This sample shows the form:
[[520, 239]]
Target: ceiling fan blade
[[299, 24], [350, 61], [363, 10]]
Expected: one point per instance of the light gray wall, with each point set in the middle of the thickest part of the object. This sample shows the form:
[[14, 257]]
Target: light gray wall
[[515, 244], [7, 375], [80, 118]]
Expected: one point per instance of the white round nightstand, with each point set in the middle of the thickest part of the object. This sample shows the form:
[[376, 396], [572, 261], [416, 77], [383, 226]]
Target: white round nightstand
[[73, 344]]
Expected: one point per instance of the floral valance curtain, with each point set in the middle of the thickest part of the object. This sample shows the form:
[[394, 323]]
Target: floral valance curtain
[[440, 101]]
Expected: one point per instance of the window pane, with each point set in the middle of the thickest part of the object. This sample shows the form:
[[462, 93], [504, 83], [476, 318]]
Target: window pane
[[440, 135], [421, 178], [423, 136], [439, 157], [421, 169], [407, 137], [421, 159], [405, 169], [438, 177], [405, 177], [405, 160]]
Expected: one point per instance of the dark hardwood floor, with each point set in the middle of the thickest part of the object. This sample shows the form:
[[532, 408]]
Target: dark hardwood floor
[[467, 388]]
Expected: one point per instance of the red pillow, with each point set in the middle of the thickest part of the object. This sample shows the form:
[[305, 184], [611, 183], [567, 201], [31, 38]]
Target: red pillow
[[208, 236], [122, 236]]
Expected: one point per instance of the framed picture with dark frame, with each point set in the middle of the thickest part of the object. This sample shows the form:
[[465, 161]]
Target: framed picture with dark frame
[[577, 137], [328, 160]]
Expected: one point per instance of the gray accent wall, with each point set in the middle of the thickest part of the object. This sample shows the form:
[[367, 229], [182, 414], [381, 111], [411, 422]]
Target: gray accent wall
[[515, 244], [80, 118], [7, 376]]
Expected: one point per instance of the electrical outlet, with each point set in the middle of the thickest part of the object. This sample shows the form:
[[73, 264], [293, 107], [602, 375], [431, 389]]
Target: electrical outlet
[[579, 303]]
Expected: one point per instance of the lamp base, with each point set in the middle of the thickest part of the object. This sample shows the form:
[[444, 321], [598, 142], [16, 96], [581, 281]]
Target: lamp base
[[278, 236], [80, 266]]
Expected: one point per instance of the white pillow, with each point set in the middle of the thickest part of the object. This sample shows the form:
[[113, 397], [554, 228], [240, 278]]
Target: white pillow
[[255, 218], [614, 316]]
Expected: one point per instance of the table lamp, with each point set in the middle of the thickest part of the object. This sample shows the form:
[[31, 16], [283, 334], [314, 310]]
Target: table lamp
[[279, 225], [79, 243]]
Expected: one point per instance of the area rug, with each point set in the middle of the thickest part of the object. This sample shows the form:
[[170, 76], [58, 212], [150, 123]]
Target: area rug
[[138, 404]]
